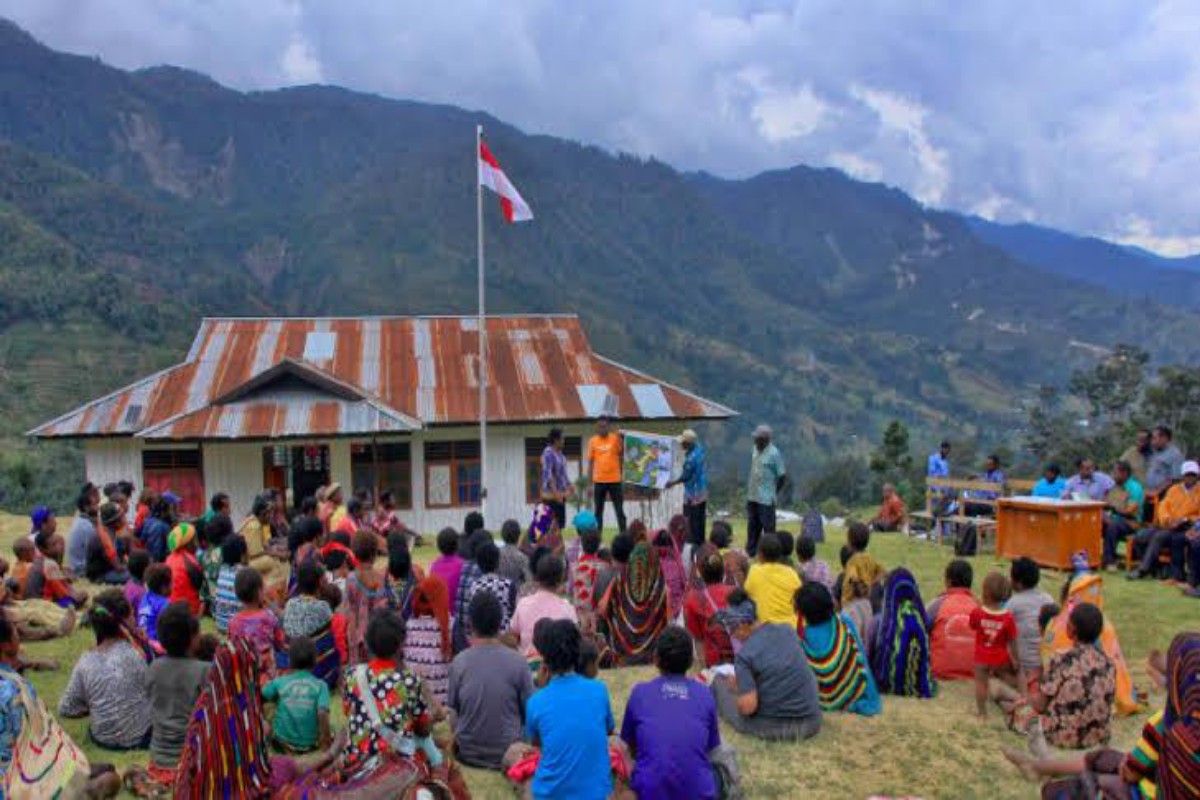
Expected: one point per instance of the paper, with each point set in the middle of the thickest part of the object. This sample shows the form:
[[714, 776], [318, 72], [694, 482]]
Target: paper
[[648, 459], [438, 489]]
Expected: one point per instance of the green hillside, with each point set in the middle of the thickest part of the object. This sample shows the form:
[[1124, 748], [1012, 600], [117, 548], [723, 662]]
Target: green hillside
[[132, 203]]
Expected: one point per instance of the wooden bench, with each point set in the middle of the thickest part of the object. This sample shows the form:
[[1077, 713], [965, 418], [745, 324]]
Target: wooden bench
[[985, 526]]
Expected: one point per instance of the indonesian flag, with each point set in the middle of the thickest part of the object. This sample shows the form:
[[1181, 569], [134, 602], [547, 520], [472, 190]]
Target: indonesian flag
[[490, 175]]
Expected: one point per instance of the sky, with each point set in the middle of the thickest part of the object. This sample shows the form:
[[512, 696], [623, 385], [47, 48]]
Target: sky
[[1079, 115]]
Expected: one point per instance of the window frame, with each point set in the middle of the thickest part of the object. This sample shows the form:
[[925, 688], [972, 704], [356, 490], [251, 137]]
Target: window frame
[[460, 453], [377, 467]]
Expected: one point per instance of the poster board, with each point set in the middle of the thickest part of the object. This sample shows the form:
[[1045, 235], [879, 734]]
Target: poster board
[[647, 459]]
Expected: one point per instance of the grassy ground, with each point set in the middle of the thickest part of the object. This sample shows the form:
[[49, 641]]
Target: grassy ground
[[933, 749]]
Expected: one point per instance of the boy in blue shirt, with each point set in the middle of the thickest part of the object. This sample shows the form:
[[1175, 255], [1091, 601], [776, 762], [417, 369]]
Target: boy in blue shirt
[[570, 720]]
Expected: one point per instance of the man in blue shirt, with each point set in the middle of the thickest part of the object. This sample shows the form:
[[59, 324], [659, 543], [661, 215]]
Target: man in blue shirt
[[694, 478], [1051, 484], [570, 720], [1122, 511], [991, 474], [1088, 483], [938, 465]]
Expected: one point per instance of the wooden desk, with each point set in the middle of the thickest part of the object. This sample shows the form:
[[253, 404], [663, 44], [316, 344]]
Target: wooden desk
[[1048, 531]]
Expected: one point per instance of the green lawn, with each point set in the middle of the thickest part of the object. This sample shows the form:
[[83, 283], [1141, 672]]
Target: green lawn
[[933, 749]]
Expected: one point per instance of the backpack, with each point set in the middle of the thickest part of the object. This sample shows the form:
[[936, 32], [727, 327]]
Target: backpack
[[966, 541]]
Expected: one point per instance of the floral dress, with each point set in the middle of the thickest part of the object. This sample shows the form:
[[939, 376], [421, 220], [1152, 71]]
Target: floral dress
[[397, 695]]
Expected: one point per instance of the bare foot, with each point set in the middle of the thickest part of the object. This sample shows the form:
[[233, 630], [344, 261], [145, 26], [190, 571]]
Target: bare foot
[[1021, 761]]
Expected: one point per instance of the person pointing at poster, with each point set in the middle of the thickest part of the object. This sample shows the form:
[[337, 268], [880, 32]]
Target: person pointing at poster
[[767, 476], [603, 466], [694, 478]]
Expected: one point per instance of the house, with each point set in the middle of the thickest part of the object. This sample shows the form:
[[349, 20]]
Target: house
[[374, 402]]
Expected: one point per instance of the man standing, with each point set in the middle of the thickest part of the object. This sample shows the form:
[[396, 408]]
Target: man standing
[[1138, 454], [694, 478], [1164, 462], [555, 486], [1122, 510], [603, 464], [938, 465], [767, 474], [1178, 511], [1088, 483]]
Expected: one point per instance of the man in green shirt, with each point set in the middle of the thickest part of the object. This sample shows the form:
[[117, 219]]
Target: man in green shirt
[[301, 722], [767, 474], [1123, 509]]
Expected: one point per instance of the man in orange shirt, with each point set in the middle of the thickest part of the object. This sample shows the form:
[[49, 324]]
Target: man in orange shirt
[[603, 466], [1174, 515], [892, 513]]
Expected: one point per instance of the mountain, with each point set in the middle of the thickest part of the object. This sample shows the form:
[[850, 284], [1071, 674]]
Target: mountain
[[132, 203], [1128, 271]]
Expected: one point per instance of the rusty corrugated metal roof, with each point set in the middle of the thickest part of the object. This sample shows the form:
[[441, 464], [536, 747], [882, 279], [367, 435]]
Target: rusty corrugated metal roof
[[268, 378]]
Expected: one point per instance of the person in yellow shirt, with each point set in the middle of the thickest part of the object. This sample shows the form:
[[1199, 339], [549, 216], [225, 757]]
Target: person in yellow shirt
[[771, 584], [1174, 515], [602, 464]]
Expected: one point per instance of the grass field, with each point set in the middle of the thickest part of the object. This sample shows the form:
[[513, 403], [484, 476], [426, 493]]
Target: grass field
[[932, 749]]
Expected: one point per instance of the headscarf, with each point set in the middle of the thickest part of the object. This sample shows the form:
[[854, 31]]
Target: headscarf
[[901, 659], [431, 598], [180, 536], [637, 612], [678, 528], [863, 568], [1089, 588], [840, 667], [38, 517], [735, 616], [1178, 766], [671, 563]]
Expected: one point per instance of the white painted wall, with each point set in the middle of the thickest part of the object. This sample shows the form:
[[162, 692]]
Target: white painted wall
[[109, 460]]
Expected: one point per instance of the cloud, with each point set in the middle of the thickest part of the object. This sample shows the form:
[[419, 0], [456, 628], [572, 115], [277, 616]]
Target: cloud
[[1082, 114]]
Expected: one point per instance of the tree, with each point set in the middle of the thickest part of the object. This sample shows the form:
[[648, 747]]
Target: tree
[[1113, 387], [1174, 400], [892, 462]]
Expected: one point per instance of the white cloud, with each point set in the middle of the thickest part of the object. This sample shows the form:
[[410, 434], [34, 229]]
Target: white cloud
[[1138, 232], [1079, 114]]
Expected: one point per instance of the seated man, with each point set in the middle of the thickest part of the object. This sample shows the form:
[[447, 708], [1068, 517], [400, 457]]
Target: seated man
[[1122, 510], [1051, 484], [1087, 483], [1072, 704], [670, 727], [991, 474], [1177, 512], [772, 694], [893, 514], [489, 685]]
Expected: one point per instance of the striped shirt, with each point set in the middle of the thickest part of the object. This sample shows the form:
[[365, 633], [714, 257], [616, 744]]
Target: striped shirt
[[108, 684]]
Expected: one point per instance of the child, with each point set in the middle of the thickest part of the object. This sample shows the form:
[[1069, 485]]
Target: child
[[737, 564], [174, 683], [951, 640], [1026, 604], [187, 578], [25, 552], [307, 614], [257, 624], [234, 558], [788, 543], [367, 591], [545, 603], [337, 564], [301, 722], [449, 565], [47, 579], [995, 638], [811, 568], [158, 590], [135, 587]]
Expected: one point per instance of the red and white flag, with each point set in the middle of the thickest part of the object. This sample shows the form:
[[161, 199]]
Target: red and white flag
[[490, 175]]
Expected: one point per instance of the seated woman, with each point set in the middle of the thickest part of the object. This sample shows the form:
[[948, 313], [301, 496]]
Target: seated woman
[[545, 603], [900, 658], [256, 530], [670, 561], [1165, 762], [1072, 707], [1089, 588], [427, 647], [773, 693], [232, 758], [634, 609], [105, 564], [701, 605], [47, 763], [108, 682], [187, 576], [836, 655], [367, 591]]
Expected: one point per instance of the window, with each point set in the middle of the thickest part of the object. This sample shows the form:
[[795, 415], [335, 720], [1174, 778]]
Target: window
[[181, 472], [572, 449], [452, 474], [383, 467]]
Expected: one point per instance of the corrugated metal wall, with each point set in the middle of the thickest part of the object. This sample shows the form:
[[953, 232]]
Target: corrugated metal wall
[[108, 460]]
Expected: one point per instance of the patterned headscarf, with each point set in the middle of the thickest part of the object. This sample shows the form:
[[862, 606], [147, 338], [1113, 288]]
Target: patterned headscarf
[[543, 519], [637, 612], [180, 536], [1178, 767], [901, 663], [678, 528], [431, 598]]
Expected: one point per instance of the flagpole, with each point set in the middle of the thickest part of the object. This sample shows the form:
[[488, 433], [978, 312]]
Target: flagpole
[[483, 371]]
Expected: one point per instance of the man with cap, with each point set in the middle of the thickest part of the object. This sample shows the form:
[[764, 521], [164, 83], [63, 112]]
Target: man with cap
[[1174, 516], [767, 476], [602, 464], [694, 478]]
